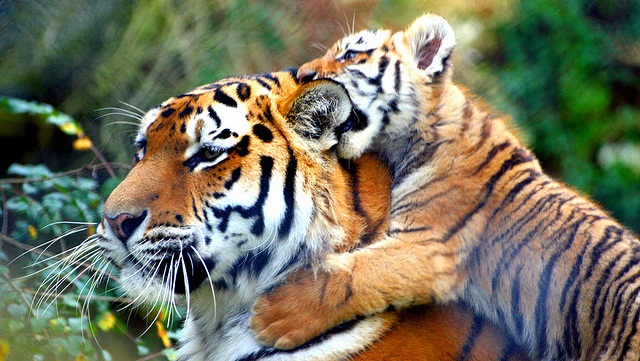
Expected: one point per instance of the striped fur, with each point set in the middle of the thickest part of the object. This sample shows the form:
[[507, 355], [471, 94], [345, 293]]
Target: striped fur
[[236, 185], [473, 216]]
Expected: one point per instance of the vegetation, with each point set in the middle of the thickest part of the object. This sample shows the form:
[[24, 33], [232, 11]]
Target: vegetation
[[569, 73]]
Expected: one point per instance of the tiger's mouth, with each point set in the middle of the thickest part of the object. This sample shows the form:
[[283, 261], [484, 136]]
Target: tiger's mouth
[[167, 256], [186, 273], [181, 270]]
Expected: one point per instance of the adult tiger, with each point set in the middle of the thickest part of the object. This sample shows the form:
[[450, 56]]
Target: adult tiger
[[237, 184], [473, 216]]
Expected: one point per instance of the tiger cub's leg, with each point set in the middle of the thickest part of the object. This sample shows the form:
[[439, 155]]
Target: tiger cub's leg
[[391, 272]]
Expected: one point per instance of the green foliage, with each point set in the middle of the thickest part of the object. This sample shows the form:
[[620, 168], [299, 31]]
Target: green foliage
[[52, 309], [37, 326], [45, 111], [561, 67], [55, 305]]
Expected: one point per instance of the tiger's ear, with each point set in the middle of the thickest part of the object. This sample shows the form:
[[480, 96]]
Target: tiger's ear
[[317, 109], [431, 40]]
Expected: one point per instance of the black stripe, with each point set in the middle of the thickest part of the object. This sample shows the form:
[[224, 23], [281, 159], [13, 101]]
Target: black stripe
[[266, 165], [600, 286], [264, 352], [515, 191], [263, 133], [476, 330], [492, 153], [519, 156], [188, 109], [243, 91], [604, 245], [221, 97], [195, 209], [397, 77], [256, 210], [510, 350], [242, 148], [354, 184], [224, 134], [167, 112], [572, 336], [235, 175], [414, 158], [272, 78], [516, 310], [617, 297], [395, 231], [566, 238], [382, 67], [263, 83], [214, 116], [289, 196], [626, 346]]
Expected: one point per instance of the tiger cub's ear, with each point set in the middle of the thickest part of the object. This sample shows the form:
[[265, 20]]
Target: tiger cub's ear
[[317, 109], [431, 40]]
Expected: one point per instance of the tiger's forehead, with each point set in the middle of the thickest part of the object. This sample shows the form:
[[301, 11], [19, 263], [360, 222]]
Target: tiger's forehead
[[363, 40], [217, 112], [210, 103]]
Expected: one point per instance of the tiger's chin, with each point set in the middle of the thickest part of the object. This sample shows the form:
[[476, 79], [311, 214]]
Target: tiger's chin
[[167, 283], [163, 263]]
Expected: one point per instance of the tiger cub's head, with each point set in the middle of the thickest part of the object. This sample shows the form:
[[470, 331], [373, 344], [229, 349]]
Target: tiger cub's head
[[229, 187], [392, 78]]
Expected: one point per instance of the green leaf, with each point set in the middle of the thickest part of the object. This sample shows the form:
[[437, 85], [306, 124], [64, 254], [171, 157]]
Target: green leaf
[[30, 171], [77, 324], [17, 310], [44, 111], [38, 324], [108, 186], [106, 355], [15, 325], [170, 354], [142, 349]]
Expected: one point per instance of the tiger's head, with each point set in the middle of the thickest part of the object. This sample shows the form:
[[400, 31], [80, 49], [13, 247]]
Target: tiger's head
[[392, 78], [231, 185]]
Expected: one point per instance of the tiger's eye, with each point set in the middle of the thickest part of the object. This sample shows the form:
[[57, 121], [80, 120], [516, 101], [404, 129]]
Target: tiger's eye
[[211, 154], [350, 54]]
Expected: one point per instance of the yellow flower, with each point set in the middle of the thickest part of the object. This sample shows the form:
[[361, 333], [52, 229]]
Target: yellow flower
[[91, 230], [33, 232], [162, 333], [81, 358], [4, 349], [70, 128], [107, 322], [82, 143]]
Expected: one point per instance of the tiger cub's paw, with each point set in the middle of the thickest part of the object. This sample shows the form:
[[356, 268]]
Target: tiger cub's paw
[[304, 307]]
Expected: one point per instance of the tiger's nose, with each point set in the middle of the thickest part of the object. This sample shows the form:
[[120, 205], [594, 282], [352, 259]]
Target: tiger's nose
[[124, 224], [306, 74]]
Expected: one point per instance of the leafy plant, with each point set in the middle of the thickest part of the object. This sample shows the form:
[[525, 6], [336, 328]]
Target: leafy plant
[[56, 298]]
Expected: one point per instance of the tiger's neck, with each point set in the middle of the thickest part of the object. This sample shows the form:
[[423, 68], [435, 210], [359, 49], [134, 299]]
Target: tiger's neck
[[217, 327]]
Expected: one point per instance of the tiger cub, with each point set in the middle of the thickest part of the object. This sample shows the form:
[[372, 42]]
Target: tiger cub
[[473, 216]]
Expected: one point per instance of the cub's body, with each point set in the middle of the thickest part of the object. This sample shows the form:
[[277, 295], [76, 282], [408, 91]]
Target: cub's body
[[473, 216]]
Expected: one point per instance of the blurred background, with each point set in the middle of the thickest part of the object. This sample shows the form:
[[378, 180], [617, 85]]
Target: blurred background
[[567, 71]]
